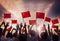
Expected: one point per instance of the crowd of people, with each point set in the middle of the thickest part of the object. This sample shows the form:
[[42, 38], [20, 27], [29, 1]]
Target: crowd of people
[[31, 35]]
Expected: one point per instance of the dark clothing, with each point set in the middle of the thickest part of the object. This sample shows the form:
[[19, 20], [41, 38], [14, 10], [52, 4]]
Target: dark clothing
[[9, 35], [44, 35], [23, 37], [55, 37], [1, 32]]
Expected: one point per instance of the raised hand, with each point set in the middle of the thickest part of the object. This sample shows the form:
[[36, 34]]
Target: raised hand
[[25, 25], [31, 26], [17, 26], [5, 28], [44, 27], [20, 28], [2, 23], [28, 26], [21, 25], [7, 24], [9, 35], [17, 29]]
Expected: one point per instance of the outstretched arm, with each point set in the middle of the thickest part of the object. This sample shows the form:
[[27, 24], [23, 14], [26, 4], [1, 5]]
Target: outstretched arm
[[5, 28], [20, 28], [2, 24]]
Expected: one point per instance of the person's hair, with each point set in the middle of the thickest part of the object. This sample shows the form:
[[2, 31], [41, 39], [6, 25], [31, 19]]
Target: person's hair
[[44, 35]]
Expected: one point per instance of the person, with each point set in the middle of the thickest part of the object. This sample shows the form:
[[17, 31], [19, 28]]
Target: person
[[44, 35], [24, 33], [16, 31], [32, 35], [55, 37], [7, 39], [9, 34], [1, 30], [5, 27]]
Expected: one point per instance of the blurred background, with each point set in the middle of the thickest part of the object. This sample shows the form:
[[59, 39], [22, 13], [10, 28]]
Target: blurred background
[[51, 8]]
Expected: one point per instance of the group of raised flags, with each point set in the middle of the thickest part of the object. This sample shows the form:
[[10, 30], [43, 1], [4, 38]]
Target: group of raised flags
[[39, 15], [8, 16]]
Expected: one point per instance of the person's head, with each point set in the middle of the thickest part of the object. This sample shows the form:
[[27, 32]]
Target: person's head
[[32, 33], [44, 35], [55, 37]]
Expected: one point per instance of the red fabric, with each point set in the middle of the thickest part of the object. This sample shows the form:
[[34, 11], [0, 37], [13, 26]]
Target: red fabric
[[31, 22], [23, 30], [55, 21], [47, 19], [8, 29], [53, 26], [26, 14], [7, 15], [14, 21], [40, 15]]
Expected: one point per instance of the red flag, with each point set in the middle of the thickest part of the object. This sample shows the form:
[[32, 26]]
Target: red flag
[[40, 15], [53, 26], [55, 21], [47, 19], [31, 22], [14, 21], [7, 15], [8, 29], [26, 14]]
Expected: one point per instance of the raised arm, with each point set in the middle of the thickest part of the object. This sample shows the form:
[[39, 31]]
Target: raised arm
[[5, 28]]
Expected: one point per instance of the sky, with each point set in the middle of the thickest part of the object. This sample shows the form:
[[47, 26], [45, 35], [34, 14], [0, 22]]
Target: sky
[[55, 10]]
